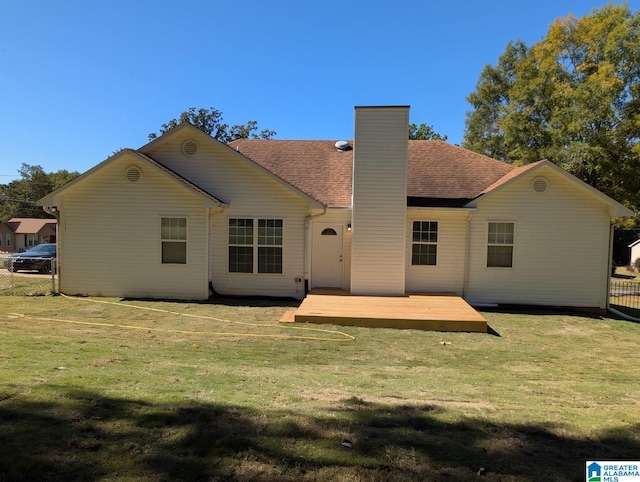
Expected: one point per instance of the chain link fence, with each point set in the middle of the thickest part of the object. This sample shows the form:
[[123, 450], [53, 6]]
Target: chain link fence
[[37, 279]]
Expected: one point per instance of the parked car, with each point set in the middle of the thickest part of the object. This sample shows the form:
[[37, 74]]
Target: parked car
[[37, 258]]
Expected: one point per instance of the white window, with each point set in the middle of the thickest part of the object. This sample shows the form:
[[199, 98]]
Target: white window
[[174, 240], [8, 239], [255, 250], [424, 247], [500, 243], [32, 240]]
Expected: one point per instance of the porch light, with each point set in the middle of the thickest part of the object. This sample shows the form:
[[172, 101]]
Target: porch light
[[349, 227]]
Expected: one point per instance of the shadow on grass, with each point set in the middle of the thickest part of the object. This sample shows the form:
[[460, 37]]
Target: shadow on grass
[[85, 436]]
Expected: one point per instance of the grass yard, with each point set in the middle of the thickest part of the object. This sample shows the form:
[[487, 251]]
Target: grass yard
[[95, 391]]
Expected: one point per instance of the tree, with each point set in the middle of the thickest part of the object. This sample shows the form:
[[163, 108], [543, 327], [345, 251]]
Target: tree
[[18, 198], [572, 98], [210, 122], [424, 132]]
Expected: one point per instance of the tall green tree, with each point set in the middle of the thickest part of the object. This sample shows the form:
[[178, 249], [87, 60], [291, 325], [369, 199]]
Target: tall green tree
[[572, 98], [18, 198], [210, 122], [424, 132]]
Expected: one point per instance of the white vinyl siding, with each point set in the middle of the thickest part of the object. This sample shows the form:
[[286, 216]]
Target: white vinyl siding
[[561, 247], [110, 232], [250, 194], [379, 201], [448, 275]]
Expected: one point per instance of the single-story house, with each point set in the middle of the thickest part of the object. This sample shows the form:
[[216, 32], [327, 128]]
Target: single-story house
[[186, 215], [20, 234]]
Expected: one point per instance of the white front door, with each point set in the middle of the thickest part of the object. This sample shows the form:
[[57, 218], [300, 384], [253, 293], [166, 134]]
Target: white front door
[[326, 261]]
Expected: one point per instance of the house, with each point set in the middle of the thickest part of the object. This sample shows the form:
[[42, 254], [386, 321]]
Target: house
[[635, 252], [186, 215], [20, 234]]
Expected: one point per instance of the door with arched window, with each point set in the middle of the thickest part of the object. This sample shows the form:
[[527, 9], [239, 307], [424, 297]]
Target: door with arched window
[[327, 257]]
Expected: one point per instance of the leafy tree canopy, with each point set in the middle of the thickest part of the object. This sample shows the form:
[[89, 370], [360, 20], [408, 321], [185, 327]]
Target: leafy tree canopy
[[572, 98], [424, 132], [18, 198], [210, 122]]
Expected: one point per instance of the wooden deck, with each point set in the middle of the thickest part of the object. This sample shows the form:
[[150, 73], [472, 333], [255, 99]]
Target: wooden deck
[[435, 312]]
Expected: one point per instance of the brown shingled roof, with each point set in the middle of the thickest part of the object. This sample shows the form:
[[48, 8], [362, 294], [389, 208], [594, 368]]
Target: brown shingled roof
[[29, 225], [437, 170]]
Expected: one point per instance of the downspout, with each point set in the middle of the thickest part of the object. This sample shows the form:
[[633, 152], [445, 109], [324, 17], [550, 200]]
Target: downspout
[[307, 247], [467, 261], [212, 212], [609, 266]]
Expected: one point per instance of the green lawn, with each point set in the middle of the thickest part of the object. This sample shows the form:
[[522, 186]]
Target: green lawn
[[188, 391]]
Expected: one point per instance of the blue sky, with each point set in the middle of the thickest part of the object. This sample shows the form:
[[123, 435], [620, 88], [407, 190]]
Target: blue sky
[[81, 79]]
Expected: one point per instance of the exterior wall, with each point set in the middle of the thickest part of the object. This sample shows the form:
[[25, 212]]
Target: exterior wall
[[6, 234], [635, 254], [448, 275], [379, 201], [109, 236], [249, 193], [561, 248]]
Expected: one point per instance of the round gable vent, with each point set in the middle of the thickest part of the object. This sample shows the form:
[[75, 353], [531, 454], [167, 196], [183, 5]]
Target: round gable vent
[[540, 184], [133, 174], [189, 148]]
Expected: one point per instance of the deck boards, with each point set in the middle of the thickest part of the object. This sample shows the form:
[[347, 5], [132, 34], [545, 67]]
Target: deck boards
[[419, 311]]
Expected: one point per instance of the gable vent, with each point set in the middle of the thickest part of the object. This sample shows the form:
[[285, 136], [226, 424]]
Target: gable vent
[[540, 184], [133, 174], [189, 148]]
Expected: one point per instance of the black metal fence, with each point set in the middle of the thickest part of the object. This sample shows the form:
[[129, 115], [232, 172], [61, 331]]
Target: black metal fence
[[33, 281], [624, 296]]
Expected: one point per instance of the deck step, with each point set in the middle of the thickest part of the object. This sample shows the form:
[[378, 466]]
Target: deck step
[[419, 312]]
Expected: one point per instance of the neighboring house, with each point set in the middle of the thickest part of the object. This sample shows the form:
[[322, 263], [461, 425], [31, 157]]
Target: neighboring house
[[635, 252], [185, 215], [20, 234]]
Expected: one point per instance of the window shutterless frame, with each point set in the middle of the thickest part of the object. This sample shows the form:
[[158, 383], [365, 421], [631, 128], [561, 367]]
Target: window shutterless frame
[[255, 245], [424, 243], [500, 244], [173, 239]]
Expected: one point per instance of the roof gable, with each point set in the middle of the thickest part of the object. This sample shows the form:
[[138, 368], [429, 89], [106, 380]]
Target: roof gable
[[208, 199], [615, 208], [28, 225], [189, 130]]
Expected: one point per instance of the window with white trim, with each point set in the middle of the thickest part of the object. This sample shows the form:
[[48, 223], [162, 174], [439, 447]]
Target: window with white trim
[[255, 250], [8, 239], [500, 242], [424, 246], [174, 240], [32, 240]]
